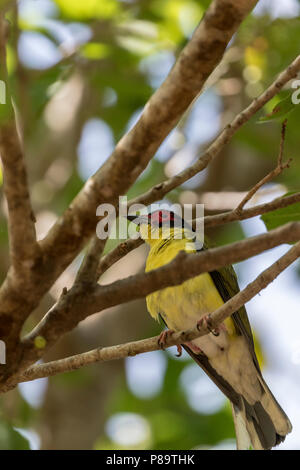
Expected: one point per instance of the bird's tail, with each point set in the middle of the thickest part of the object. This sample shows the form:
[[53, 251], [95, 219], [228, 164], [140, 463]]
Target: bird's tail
[[262, 425]]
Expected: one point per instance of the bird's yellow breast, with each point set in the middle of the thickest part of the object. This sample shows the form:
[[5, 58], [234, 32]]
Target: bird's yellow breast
[[182, 306]]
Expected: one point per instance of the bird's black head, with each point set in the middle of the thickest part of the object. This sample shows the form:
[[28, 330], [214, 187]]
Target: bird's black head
[[159, 219]]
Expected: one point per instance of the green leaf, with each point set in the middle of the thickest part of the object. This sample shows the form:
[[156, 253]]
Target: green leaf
[[282, 216], [280, 111]]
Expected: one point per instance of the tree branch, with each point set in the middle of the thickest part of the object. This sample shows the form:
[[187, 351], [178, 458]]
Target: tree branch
[[23, 245], [271, 175], [127, 246], [232, 216], [161, 189], [79, 303], [151, 344], [188, 265]]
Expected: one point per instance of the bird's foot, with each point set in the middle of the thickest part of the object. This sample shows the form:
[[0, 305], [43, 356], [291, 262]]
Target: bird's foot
[[205, 322], [179, 350], [163, 338]]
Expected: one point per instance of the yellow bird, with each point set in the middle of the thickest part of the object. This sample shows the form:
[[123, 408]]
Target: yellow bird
[[227, 354]]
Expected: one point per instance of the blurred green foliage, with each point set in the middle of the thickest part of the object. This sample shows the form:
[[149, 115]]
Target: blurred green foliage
[[282, 216], [11, 439], [173, 424]]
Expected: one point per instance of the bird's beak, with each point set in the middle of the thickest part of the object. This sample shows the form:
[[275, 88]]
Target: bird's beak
[[137, 219], [132, 218]]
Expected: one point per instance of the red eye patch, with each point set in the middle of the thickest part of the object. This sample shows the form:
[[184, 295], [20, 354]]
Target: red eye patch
[[161, 216]]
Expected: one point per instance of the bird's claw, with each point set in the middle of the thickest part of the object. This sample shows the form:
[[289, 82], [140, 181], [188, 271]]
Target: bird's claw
[[179, 350], [205, 322], [163, 339]]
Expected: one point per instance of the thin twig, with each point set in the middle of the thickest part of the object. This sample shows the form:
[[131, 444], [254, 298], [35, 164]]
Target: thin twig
[[161, 189], [209, 221], [232, 216], [270, 176]]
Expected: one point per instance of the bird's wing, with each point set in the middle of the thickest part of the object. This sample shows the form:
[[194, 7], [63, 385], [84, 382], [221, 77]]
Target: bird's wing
[[226, 282]]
